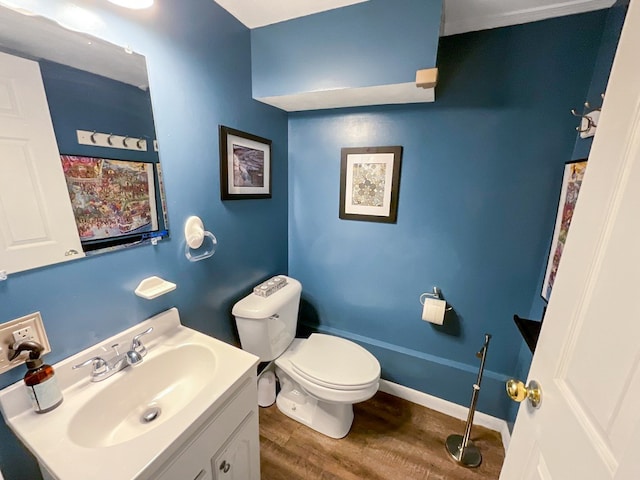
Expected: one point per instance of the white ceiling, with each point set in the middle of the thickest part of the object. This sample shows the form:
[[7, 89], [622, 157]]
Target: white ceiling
[[258, 13], [459, 15]]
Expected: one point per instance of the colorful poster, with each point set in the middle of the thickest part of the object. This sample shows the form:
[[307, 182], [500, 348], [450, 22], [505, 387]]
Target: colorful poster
[[110, 198], [571, 183]]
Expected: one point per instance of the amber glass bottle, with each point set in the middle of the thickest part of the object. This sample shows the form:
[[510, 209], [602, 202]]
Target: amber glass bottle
[[42, 386]]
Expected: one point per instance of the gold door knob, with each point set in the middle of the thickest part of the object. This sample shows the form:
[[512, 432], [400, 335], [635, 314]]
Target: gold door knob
[[518, 392]]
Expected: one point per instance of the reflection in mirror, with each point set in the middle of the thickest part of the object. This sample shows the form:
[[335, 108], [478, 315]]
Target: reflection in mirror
[[87, 155]]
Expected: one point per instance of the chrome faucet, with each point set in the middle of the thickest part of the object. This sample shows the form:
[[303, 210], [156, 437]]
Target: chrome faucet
[[103, 369]]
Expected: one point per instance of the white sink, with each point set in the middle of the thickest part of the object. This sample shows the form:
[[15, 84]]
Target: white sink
[[139, 417], [164, 384]]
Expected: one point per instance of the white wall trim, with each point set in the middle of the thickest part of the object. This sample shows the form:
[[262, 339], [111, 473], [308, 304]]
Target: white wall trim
[[457, 18], [448, 408]]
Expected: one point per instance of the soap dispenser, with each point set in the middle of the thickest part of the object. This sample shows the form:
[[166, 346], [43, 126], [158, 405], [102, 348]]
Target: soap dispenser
[[40, 379]]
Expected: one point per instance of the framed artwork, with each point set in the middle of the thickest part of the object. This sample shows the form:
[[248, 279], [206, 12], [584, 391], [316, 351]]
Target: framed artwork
[[571, 183], [369, 183], [245, 165]]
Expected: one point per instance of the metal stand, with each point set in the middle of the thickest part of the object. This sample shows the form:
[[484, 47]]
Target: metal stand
[[459, 447]]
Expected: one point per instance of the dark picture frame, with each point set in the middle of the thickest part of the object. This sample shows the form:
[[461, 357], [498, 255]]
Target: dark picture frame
[[370, 183], [571, 183], [245, 165]]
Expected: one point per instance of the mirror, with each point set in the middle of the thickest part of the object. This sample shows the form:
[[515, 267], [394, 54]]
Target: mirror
[[98, 100]]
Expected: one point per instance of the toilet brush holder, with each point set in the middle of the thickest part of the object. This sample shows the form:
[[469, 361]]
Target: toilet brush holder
[[459, 447]]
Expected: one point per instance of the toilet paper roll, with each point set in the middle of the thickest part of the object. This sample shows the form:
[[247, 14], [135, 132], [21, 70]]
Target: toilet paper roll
[[433, 310]]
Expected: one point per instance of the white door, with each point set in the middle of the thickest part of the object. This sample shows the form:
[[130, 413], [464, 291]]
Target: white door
[[588, 357], [37, 226]]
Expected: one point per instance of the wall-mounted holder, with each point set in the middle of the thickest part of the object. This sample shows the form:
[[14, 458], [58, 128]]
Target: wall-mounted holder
[[195, 234], [435, 295], [588, 121], [153, 287], [109, 140]]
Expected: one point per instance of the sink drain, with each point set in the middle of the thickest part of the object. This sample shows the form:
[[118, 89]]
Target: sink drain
[[150, 414]]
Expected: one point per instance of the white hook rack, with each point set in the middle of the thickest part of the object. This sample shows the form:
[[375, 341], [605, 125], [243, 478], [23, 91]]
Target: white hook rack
[[195, 234], [109, 140], [588, 121]]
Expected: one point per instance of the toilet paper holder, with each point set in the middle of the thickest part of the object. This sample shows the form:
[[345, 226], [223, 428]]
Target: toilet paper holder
[[436, 295]]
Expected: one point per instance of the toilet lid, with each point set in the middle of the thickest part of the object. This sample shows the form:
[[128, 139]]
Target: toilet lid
[[335, 363]]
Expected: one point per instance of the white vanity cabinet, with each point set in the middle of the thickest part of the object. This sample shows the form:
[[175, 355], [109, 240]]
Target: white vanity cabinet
[[226, 447], [205, 393]]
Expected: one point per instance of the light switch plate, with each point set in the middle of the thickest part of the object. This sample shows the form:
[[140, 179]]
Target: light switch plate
[[31, 323]]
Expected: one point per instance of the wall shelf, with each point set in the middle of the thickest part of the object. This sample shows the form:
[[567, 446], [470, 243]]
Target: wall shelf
[[530, 330]]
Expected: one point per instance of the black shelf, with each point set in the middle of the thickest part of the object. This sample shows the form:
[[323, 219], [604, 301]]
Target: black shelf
[[530, 330]]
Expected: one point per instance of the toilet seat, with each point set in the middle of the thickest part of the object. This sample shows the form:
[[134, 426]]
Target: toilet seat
[[335, 363]]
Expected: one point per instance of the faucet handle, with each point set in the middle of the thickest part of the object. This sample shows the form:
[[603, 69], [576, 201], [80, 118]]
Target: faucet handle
[[136, 344], [99, 365]]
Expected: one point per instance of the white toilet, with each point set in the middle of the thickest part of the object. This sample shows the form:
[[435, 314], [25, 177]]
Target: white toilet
[[320, 377]]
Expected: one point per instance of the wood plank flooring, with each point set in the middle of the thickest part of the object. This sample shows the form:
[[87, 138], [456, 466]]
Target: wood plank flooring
[[391, 439]]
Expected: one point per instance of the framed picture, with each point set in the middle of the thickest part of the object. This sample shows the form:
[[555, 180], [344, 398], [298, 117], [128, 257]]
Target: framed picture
[[571, 183], [245, 165], [369, 183]]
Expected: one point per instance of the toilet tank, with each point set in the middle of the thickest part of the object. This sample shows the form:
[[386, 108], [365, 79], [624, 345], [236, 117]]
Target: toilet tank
[[267, 325]]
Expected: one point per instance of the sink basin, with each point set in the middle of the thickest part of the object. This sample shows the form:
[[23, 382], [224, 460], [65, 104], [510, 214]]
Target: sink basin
[[163, 385], [130, 424]]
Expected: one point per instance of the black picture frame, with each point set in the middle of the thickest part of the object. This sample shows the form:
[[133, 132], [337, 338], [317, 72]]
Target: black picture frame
[[370, 183], [245, 165]]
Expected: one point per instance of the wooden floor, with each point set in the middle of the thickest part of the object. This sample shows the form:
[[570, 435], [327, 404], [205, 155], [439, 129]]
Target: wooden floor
[[391, 439]]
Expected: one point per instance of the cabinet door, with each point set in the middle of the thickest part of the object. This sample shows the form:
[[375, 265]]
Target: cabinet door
[[190, 465], [239, 458], [37, 226]]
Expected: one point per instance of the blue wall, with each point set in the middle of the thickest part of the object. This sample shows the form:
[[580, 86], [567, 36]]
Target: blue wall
[[477, 198], [198, 57], [379, 42], [582, 147], [608, 46], [80, 100]]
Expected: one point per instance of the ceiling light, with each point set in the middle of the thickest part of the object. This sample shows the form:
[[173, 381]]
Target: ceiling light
[[134, 4]]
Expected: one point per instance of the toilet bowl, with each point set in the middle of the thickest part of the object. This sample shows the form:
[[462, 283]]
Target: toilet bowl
[[320, 377]]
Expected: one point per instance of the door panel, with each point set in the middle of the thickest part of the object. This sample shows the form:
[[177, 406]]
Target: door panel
[[37, 226], [536, 467]]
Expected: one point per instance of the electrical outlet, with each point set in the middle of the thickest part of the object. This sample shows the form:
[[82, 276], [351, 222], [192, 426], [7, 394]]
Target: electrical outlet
[[22, 334], [29, 327]]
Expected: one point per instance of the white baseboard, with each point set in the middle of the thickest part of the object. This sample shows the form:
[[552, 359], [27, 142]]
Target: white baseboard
[[448, 408]]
